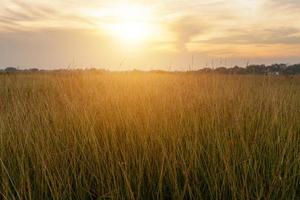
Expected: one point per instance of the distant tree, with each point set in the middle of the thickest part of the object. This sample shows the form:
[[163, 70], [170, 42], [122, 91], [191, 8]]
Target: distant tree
[[237, 70], [205, 70], [292, 69], [256, 69], [11, 69], [221, 70], [34, 70], [276, 68]]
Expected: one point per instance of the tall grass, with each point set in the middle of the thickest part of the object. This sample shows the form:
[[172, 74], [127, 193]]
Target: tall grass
[[149, 136]]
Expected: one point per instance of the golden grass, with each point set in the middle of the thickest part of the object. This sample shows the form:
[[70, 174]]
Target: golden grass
[[149, 136]]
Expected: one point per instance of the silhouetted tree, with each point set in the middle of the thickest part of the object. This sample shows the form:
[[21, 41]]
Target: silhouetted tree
[[11, 69], [237, 70], [292, 69], [221, 70], [256, 69]]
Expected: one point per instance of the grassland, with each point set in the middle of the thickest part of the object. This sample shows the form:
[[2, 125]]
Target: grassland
[[149, 136]]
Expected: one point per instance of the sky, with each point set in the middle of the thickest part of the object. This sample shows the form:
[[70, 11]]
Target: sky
[[148, 34]]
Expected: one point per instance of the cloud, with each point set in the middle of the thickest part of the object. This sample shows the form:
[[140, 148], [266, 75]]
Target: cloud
[[282, 35], [286, 2], [215, 27], [186, 28], [283, 7], [31, 16], [22, 11]]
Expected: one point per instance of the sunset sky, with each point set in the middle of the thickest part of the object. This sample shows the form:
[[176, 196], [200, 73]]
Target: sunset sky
[[148, 34]]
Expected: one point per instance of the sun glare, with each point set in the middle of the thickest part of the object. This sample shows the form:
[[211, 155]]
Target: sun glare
[[131, 31], [130, 23]]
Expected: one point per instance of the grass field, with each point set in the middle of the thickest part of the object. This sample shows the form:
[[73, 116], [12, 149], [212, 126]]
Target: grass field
[[149, 136]]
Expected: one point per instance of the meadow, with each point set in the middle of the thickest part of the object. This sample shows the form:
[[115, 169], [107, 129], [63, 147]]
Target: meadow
[[133, 135]]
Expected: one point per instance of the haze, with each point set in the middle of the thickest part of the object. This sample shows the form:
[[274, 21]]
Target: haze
[[170, 34]]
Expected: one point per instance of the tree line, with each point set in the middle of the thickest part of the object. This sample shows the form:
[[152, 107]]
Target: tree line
[[274, 69]]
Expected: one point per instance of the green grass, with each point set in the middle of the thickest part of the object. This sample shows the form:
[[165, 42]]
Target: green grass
[[149, 136]]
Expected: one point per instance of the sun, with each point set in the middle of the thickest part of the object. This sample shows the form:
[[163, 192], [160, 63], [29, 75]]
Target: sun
[[130, 23], [131, 31]]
